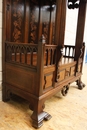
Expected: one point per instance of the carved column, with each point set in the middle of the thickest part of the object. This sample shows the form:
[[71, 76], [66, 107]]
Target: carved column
[[60, 30], [80, 28], [40, 66], [60, 22], [79, 51]]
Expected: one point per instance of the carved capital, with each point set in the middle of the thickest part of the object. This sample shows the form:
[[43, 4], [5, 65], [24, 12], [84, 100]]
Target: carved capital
[[73, 4]]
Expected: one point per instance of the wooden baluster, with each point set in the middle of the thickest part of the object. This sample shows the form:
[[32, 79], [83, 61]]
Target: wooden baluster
[[74, 52], [20, 56], [54, 56], [51, 57], [15, 54], [69, 52], [65, 50], [25, 56], [32, 57], [47, 57]]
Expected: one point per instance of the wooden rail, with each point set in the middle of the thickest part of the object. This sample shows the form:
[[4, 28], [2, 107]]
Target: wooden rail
[[21, 53], [69, 51], [50, 55], [27, 53]]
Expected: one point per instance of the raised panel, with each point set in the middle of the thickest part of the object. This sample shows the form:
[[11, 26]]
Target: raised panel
[[21, 78], [72, 71], [17, 20], [49, 74], [33, 22], [67, 72], [46, 21], [61, 75], [48, 81]]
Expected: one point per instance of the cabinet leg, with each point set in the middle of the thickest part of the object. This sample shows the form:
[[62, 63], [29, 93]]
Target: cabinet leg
[[5, 95], [80, 84], [39, 115]]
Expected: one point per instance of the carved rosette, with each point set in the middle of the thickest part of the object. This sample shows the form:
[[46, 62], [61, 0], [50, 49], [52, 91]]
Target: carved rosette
[[17, 21]]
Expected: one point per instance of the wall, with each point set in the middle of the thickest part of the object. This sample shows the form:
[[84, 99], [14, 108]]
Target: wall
[[71, 23], [0, 50], [70, 31], [85, 40]]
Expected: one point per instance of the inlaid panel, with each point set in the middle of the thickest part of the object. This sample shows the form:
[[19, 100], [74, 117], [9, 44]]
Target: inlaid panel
[[45, 20], [17, 20], [61, 75], [48, 81], [72, 70], [67, 72], [53, 16], [33, 23]]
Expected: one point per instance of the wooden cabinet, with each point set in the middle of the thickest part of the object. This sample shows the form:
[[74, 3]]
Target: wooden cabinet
[[34, 66]]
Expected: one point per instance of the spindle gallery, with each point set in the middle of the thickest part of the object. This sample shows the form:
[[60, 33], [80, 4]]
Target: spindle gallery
[[36, 63]]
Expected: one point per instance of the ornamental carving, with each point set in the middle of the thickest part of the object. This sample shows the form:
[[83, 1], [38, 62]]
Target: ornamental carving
[[17, 21], [73, 4], [34, 13], [45, 30]]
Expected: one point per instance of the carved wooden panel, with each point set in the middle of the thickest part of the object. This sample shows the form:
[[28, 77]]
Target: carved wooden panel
[[21, 78], [48, 80], [34, 19], [61, 75], [72, 70], [46, 19], [49, 74], [53, 22], [17, 16], [67, 72], [8, 20]]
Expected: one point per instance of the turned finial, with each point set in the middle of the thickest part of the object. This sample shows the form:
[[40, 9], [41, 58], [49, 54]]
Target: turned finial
[[43, 39], [83, 43], [73, 4]]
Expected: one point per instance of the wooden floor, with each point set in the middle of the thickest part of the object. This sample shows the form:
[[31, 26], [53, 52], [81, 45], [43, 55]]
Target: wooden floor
[[68, 113]]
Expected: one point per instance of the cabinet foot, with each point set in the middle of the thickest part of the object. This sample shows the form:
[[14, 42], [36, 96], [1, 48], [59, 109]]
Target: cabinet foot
[[38, 122], [65, 90], [80, 84]]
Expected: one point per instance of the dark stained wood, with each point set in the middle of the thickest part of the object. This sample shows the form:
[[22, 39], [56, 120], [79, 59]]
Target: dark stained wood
[[26, 22], [80, 28], [58, 20], [36, 63], [8, 17]]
